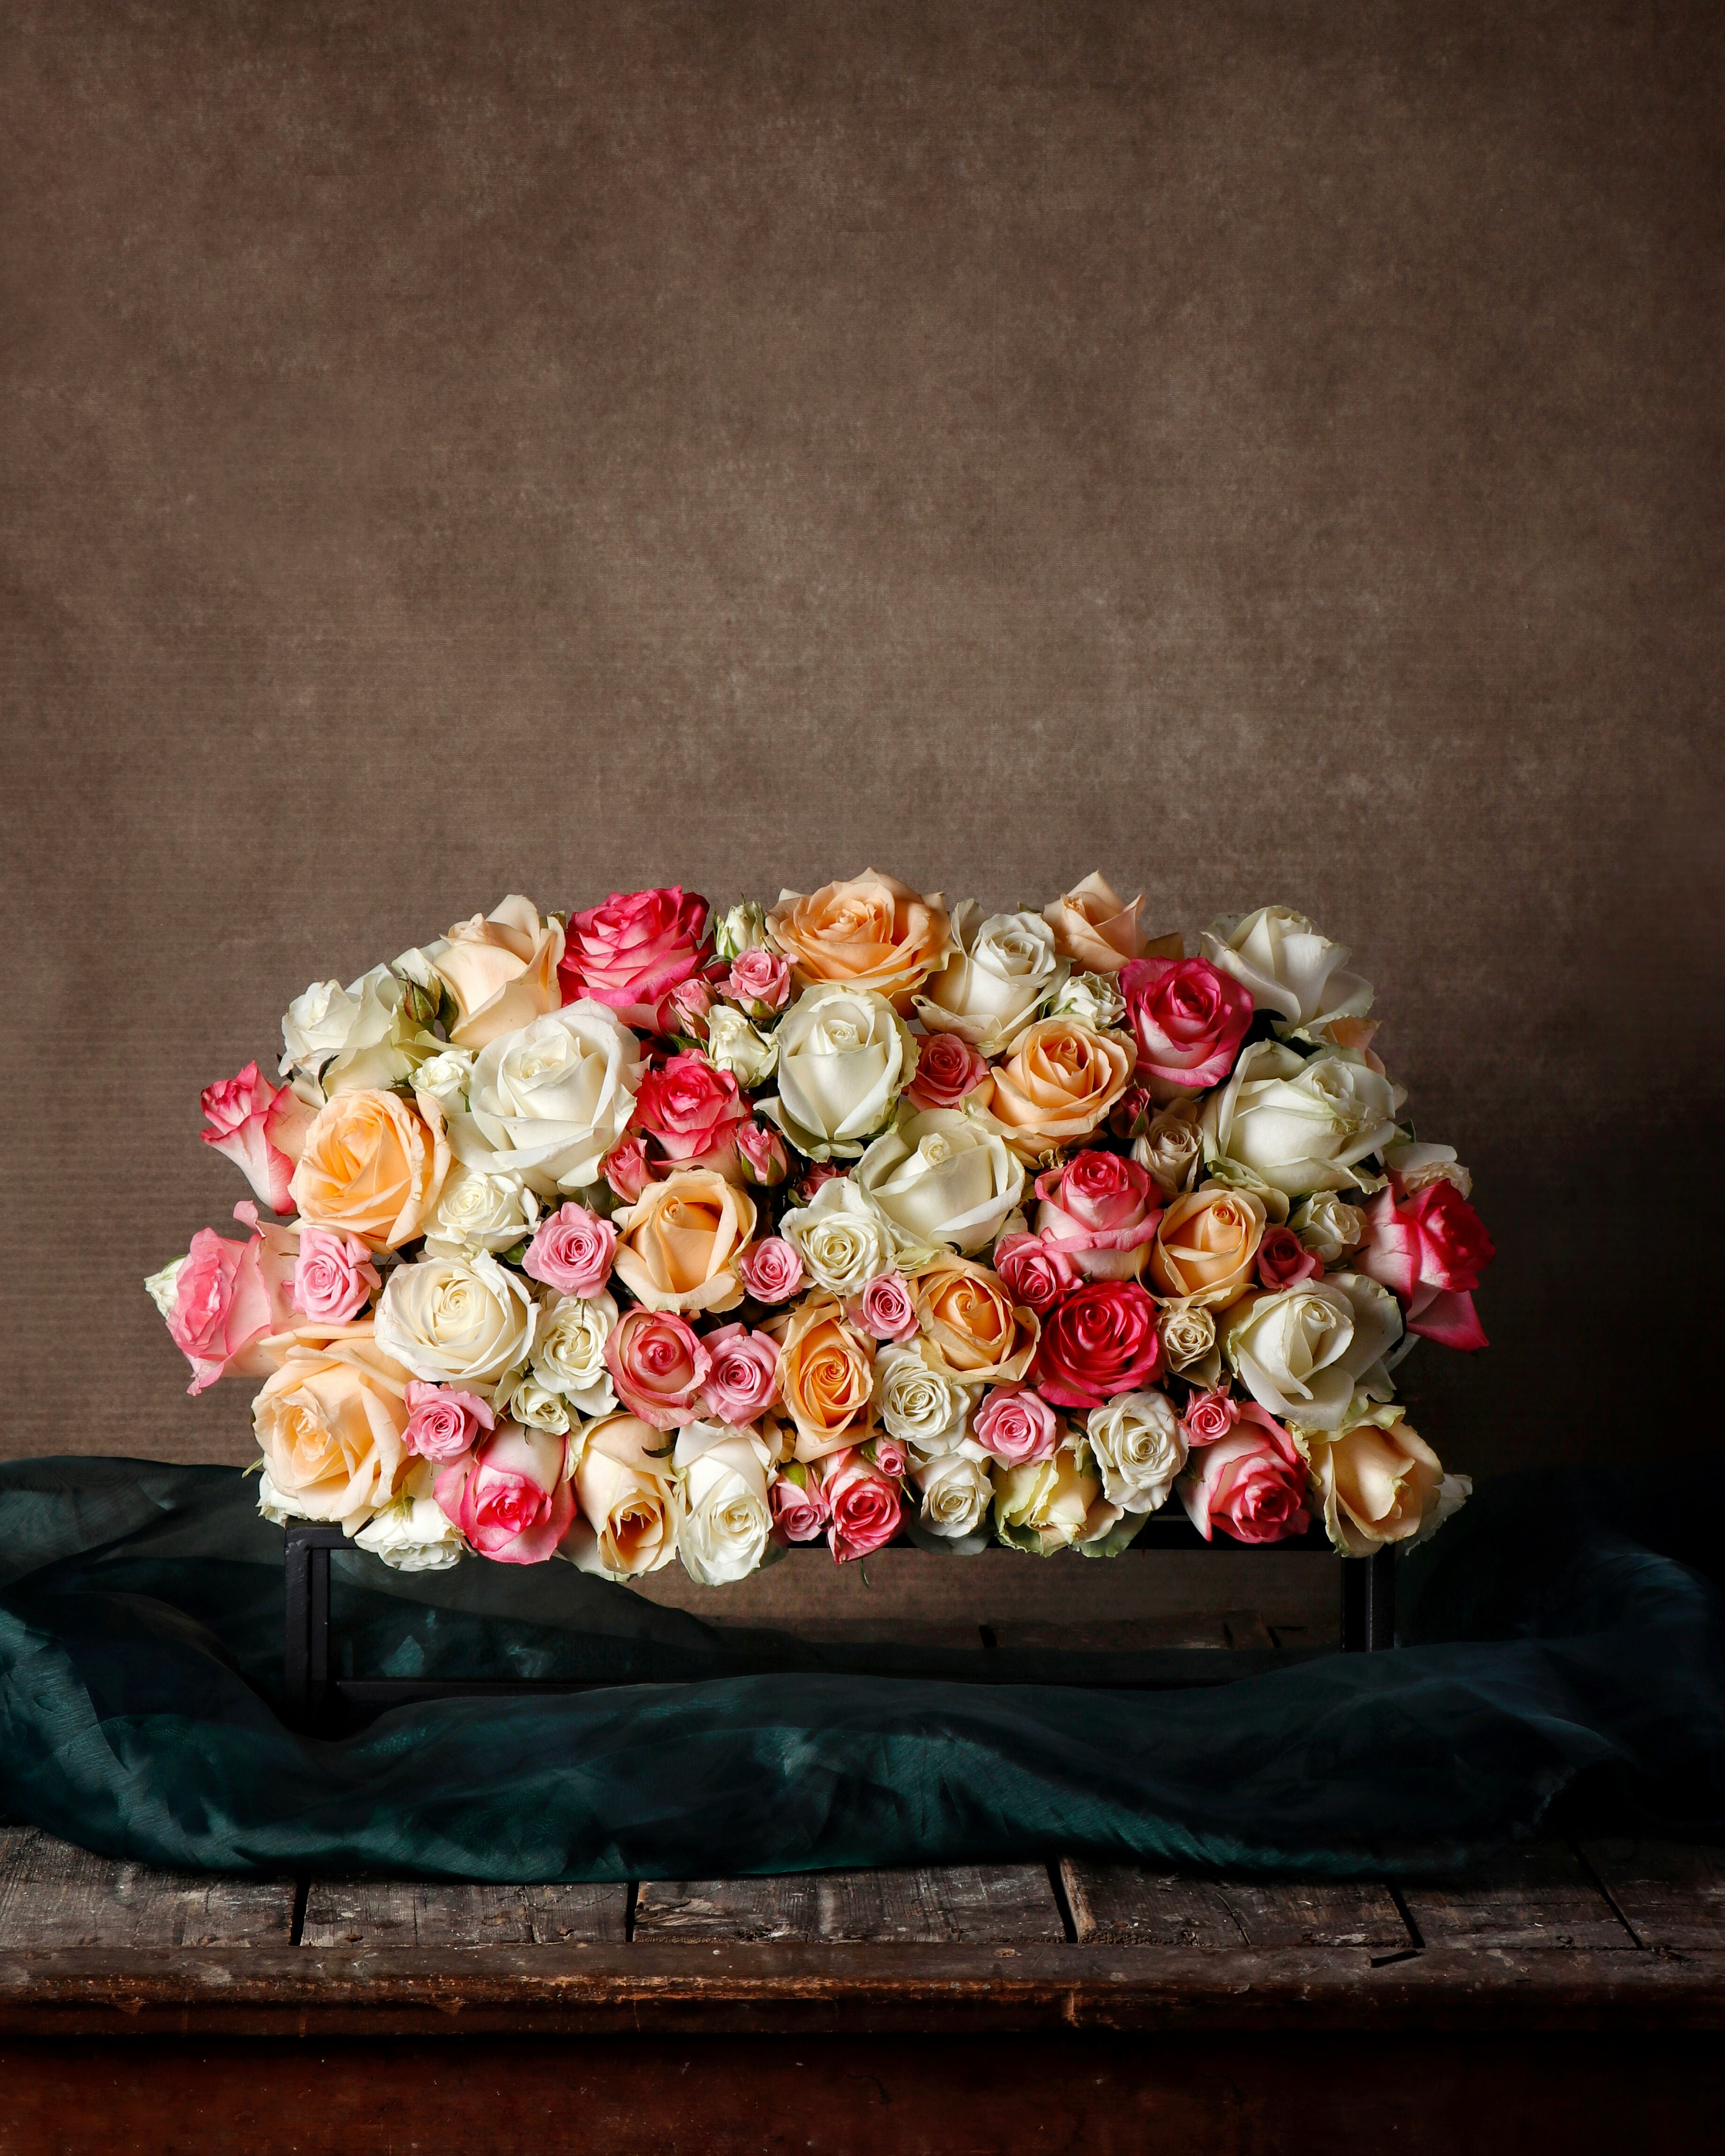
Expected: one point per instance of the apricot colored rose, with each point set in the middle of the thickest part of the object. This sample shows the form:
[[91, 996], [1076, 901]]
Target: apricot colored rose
[[682, 1240], [826, 1376], [972, 1329], [1057, 1085], [1206, 1245], [870, 931], [372, 1166]]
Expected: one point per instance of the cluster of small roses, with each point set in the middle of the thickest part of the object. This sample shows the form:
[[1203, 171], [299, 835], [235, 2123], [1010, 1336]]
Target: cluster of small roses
[[635, 1234]]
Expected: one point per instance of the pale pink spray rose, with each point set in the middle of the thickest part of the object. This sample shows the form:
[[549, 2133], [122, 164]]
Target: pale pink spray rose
[[1035, 1273], [684, 1012], [228, 1297], [1017, 1425], [891, 1458], [334, 1277], [1251, 1484], [1210, 1416], [759, 981], [771, 1270], [572, 1251], [762, 1154], [799, 1510], [509, 1496], [659, 1365], [886, 1308], [443, 1424], [866, 1505], [627, 1169], [744, 1375], [261, 1128]]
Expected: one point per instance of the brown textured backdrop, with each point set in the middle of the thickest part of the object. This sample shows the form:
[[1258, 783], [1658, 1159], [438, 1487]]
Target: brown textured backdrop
[[1261, 451]]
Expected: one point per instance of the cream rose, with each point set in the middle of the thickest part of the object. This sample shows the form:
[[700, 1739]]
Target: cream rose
[[1094, 999], [1419, 1166], [682, 1240], [1138, 1449], [742, 929], [1171, 1146], [547, 1103], [1205, 1245], [413, 1533], [330, 1423], [373, 1167], [535, 1405], [464, 1320], [1188, 1343], [1050, 1505], [928, 1413], [501, 969], [842, 1236], [957, 1490], [944, 1176], [1328, 1229], [1303, 1351], [724, 1520], [1000, 971], [844, 1056], [445, 1076], [1098, 933], [871, 932], [477, 1211], [734, 1044], [1299, 1124], [1378, 1479], [569, 1350], [1290, 968], [1059, 1082], [315, 1025], [626, 1523]]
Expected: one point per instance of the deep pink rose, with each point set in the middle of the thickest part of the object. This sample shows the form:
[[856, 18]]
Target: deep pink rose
[[1209, 1417], [885, 1308], [744, 1374], [1429, 1250], [690, 1106], [1189, 1018], [572, 1251], [771, 1270], [947, 1069], [630, 952], [1251, 1484], [823, 1171], [1100, 1211], [510, 1497], [762, 1153], [627, 1169], [659, 1365], [443, 1424], [759, 982], [1099, 1340], [228, 1297], [890, 1457], [1131, 1112], [799, 1510], [1034, 1273], [866, 1505], [261, 1128], [1284, 1261], [334, 1277], [1016, 1425]]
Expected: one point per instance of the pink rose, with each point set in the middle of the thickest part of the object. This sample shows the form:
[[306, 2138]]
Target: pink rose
[[1209, 1417], [572, 1251], [627, 1168], [771, 1270], [865, 1506], [690, 1106], [800, 1510], [1429, 1250], [947, 1069], [890, 1457], [1251, 1484], [659, 1366], [333, 1276], [261, 1128], [1131, 1112], [1034, 1273], [759, 982], [685, 1010], [1189, 1018], [510, 1497], [744, 1374], [823, 1171], [630, 952], [1017, 1425], [230, 1296], [1284, 1261], [762, 1154], [885, 1308], [443, 1424], [1100, 1211]]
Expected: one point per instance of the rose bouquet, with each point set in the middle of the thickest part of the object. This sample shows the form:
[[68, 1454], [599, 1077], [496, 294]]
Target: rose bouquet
[[633, 1234]]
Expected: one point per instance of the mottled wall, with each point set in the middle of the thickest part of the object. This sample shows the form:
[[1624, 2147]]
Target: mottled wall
[[1261, 451]]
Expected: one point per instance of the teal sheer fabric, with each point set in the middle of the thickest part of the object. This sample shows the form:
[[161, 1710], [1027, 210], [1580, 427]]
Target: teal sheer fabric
[[1560, 1644]]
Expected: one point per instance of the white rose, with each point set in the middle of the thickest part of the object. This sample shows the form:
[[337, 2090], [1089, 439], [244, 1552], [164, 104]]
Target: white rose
[[1303, 1351], [1002, 970], [477, 1211], [1327, 1228], [1420, 1165], [743, 928], [464, 1321], [1138, 1448], [534, 1405], [724, 1521], [945, 1176], [445, 1077], [1290, 968], [1090, 1000], [316, 1025], [1050, 1505], [844, 1056], [733, 1044], [923, 1408], [276, 1508], [413, 1533], [842, 1236], [957, 1492], [384, 1043], [163, 1289], [1302, 1124], [548, 1102], [569, 1351]]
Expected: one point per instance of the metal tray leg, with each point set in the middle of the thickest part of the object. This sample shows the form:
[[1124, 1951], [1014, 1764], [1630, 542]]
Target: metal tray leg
[[1368, 1601]]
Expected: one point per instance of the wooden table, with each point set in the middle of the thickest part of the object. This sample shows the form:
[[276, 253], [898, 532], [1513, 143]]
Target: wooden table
[[1571, 1996]]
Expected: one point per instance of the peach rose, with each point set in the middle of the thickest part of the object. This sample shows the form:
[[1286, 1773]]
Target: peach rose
[[1057, 1085], [826, 1376], [332, 1423], [1206, 1245], [1097, 933], [627, 1523], [871, 932], [1377, 1479], [373, 1167], [682, 1240], [502, 969], [972, 1329]]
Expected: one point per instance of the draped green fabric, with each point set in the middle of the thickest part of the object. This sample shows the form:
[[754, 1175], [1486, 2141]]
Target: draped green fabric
[[1561, 1639]]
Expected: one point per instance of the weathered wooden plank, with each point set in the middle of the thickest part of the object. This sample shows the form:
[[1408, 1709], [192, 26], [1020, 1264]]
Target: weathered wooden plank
[[1126, 1904], [404, 1912], [1122, 1635], [54, 1895], [1671, 1893], [960, 1904], [1532, 1897]]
